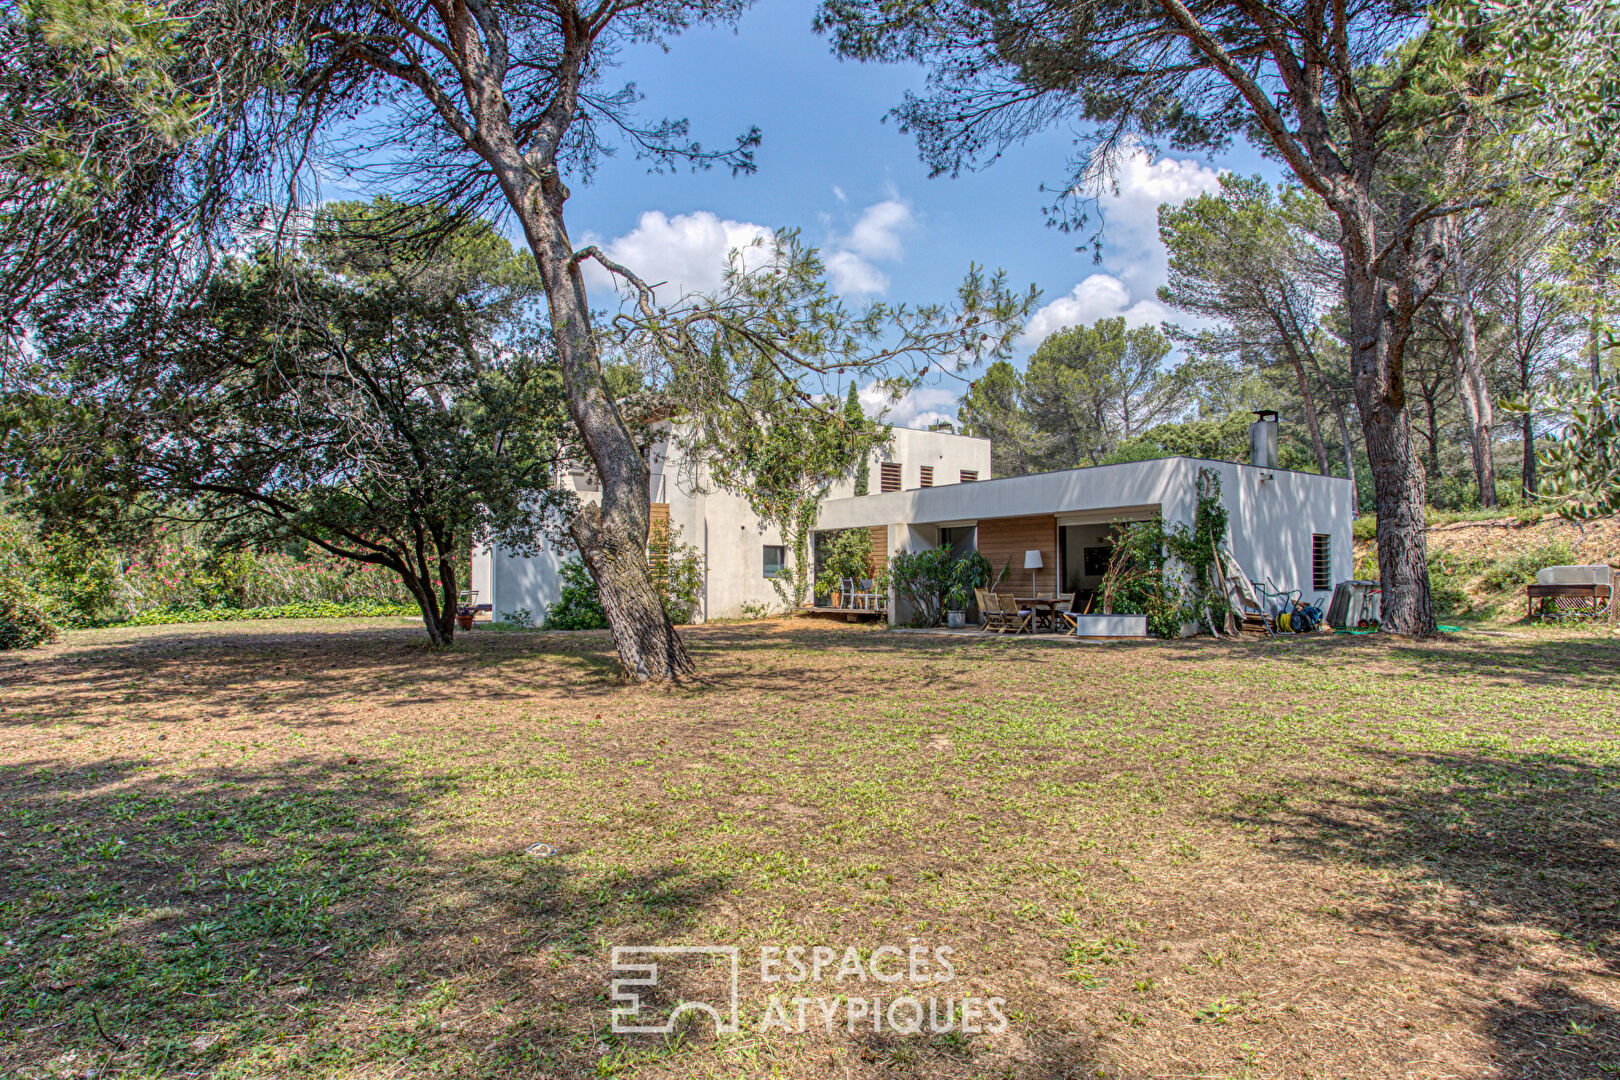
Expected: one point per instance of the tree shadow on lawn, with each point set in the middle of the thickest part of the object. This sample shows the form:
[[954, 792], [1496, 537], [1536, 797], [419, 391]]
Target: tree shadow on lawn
[[293, 921], [288, 922], [228, 666], [318, 674], [1511, 874]]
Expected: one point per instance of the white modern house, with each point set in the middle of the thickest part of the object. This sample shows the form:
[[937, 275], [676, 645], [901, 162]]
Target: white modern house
[[931, 489], [740, 553]]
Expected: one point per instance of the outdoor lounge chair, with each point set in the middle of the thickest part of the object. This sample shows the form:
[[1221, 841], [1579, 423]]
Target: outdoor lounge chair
[[1014, 619]]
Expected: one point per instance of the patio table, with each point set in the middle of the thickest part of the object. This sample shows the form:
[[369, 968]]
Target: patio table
[[1045, 608]]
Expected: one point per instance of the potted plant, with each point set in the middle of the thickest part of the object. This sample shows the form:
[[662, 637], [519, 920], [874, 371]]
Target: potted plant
[[956, 606]]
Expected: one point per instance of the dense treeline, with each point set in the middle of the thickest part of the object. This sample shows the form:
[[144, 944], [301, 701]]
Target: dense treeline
[[1517, 315]]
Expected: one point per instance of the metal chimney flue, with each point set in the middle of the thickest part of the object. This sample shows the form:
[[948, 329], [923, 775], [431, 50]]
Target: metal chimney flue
[[1263, 439]]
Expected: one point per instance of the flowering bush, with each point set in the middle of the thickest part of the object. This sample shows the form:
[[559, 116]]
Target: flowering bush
[[22, 617], [175, 572]]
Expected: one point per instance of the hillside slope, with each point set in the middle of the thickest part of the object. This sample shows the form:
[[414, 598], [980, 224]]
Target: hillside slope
[[1478, 569]]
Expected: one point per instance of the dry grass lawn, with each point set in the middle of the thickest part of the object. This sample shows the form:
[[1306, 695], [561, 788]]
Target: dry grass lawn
[[297, 850]]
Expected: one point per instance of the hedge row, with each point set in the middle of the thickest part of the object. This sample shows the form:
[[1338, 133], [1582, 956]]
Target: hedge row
[[310, 609]]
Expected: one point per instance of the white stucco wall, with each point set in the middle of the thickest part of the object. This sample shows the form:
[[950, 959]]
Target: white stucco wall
[[718, 524], [948, 455]]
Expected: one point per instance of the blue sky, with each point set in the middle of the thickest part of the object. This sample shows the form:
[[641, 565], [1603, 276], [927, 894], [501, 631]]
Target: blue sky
[[831, 166]]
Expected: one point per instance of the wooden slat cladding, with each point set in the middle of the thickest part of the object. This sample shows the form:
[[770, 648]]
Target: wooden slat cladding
[[970, 476], [880, 547], [925, 476], [889, 476], [1001, 539], [658, 539]]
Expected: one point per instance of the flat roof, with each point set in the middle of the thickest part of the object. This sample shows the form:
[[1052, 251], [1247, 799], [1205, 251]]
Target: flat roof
[[1085, 489]]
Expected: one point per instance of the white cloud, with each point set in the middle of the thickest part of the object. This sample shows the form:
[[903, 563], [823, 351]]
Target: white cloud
[[687, 252], [1145, 184], [1134, 255], [853, 275], [838, 193], [1100, 296], [920, 407], [1134, 252], [878, 235]]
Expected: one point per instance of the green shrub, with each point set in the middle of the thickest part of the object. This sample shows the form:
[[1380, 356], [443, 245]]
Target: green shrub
[[23, 623], [849, 556], [521, 619], [924, 579], [680, 587], [308, 609], [179, 569], [1448, 582], [579, 607], [1365, 527], [1138, 582], [1520, 569]]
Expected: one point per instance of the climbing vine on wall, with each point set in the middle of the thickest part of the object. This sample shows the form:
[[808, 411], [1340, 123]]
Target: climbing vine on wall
[[1168, 574]]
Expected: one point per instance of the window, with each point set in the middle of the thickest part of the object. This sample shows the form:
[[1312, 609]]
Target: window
[[959, 539], [775, 559], [889, 476], [1321, 562], [926, 473], [969, 475]]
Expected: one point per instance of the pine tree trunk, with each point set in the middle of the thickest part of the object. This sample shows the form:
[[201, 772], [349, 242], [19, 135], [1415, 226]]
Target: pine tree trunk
[[1471, 384], [649, 648], [1482, 415], [1527, 482], [1339, 417], [1397, 476], [611, 537], [1311, 420], [1432, 417]]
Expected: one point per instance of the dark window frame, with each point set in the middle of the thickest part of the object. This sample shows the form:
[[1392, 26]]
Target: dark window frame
[[1321, 562], [781, 560]]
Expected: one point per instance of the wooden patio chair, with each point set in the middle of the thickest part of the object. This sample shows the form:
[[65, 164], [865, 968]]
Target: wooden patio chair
[[989, 609], [1014, 619], [1070, 618], [1058, 612]]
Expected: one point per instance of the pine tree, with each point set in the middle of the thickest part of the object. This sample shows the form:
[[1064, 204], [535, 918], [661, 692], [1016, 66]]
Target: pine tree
[[852, 413]]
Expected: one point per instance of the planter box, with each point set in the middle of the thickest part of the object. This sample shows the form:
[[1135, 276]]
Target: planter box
[[1111, 626]]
